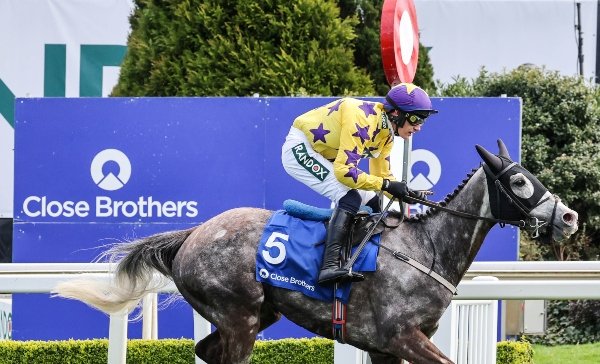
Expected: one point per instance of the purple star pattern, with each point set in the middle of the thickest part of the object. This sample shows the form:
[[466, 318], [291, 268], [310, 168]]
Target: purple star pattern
[[353, 173], [362, 133], [353, 156], [335, 107], [368, 108], [319, 133]]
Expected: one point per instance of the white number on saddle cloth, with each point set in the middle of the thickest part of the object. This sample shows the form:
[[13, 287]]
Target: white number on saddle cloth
[[272, 242]]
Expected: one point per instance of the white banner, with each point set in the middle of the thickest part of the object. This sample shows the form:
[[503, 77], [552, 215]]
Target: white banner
[[57, 48]]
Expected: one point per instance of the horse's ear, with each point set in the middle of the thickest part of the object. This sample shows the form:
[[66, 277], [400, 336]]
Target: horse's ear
[[491, 160], [503, 152]]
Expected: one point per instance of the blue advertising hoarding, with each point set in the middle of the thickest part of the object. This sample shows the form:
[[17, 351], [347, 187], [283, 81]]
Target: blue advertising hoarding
[[94, 171]]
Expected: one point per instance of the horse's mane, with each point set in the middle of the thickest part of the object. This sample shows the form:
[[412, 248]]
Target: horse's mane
[[432, 211]]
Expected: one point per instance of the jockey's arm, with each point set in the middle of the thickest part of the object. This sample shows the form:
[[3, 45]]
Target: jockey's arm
[[349, 155]]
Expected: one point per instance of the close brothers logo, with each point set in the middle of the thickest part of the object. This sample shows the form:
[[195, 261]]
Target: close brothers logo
[[110, 181], [110, 170], [263, 273]]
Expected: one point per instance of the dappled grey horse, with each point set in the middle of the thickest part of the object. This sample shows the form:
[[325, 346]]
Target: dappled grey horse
[[392, 314]]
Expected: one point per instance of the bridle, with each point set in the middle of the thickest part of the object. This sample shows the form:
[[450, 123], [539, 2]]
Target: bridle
[[494, 179], [530, 221]]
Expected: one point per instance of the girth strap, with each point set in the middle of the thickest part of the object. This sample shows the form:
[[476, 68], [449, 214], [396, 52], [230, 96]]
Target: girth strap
[[338, 318]]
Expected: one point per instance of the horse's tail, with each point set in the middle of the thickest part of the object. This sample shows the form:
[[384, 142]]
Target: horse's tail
[[134, 276]]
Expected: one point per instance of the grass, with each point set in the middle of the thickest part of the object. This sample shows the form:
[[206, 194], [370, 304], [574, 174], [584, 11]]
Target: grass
[[572, 354]]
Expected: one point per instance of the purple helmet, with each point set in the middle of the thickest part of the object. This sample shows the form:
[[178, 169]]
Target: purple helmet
[[408, 97]]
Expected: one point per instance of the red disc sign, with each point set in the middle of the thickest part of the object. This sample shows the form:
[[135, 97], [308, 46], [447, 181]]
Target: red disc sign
[[399, 40]]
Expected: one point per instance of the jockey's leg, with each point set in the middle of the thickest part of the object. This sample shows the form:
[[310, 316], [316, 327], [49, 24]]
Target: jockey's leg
[[375, 204], [338, 231]]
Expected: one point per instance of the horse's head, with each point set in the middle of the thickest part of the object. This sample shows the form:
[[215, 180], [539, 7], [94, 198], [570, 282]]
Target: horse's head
[[516, 194]]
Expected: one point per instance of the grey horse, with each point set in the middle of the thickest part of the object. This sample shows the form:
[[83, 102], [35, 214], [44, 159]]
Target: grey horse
[[391, 315]]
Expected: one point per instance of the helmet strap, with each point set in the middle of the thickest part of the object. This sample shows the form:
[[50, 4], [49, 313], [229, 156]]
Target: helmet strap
[[398, 120]]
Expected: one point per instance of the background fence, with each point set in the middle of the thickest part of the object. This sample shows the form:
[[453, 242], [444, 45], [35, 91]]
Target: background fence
[[518, 280]]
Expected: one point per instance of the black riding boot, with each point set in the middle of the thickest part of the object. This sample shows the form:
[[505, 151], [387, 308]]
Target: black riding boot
[[337, 235]]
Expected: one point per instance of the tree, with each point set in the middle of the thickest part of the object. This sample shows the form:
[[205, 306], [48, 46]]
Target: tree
[[367, 52], [560, 143], [239, 48]]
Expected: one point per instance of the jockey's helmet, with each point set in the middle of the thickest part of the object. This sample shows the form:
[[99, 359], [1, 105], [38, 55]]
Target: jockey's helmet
[[410, 100]]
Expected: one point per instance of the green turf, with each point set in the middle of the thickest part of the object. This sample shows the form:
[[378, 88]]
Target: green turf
[[563, 354]]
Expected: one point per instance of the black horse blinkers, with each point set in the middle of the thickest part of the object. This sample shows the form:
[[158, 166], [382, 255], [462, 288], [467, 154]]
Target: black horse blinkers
[[498, 170]]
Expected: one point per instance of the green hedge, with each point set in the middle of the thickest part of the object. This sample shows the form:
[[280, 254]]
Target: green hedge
[[173, 351], [514, 352], [95, 351], [293, 351]]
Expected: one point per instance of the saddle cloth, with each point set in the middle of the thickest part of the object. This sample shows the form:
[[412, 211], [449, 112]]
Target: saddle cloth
[[290, 252]]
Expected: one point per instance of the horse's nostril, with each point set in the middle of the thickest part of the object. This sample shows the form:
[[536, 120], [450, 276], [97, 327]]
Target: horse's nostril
[[569, 218]]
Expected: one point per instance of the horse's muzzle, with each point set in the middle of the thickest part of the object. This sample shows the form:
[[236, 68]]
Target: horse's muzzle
[[565, 224]]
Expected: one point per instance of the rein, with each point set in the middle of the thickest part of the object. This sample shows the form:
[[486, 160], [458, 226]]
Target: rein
[[467, 215], [532, 222]]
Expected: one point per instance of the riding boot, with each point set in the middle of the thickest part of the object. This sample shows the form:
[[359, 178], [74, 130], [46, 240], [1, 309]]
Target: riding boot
[[337, 235]]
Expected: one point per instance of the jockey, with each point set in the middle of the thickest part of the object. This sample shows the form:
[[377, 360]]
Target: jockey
[[323, 149]]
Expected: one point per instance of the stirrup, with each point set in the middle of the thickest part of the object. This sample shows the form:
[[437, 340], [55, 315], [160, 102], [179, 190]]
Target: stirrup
[[339, 275]]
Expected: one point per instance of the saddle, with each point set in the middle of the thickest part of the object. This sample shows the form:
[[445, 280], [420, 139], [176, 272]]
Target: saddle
[[363, 221]]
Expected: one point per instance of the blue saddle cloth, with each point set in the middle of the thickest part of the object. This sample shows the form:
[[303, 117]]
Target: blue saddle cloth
[[289, 256]]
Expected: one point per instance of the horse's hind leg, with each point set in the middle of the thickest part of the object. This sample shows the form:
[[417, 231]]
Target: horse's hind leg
[[210, 348]]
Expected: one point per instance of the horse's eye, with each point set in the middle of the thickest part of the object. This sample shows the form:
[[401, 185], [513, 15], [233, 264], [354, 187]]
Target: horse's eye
[[520, 182]]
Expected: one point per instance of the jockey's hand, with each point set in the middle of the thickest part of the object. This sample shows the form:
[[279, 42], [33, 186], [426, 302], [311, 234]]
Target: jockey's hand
[[395, 188], [420, 194]]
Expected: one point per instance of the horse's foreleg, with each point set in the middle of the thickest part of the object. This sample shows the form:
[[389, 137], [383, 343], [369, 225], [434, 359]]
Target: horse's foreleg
[[379, 358], [417, 349]]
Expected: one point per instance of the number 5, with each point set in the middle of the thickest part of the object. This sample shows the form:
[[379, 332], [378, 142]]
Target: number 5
[[271, 242]]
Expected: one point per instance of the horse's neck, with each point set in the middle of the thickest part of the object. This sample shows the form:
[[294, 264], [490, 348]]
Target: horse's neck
[[458, 239]]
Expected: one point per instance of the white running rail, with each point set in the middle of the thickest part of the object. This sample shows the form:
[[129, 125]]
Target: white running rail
[[528, 280], [468, 330]]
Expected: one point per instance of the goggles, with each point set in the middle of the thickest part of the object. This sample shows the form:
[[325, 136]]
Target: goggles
[[414, 119]]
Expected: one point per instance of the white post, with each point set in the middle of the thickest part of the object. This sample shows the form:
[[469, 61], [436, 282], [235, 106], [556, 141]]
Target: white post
[[443, 337], [202, 329], [117, 338], [347, 354], [490, 323], [150, 316], [467, 331]]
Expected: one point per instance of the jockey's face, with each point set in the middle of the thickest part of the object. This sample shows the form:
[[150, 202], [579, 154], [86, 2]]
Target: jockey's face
[[407, 130]]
